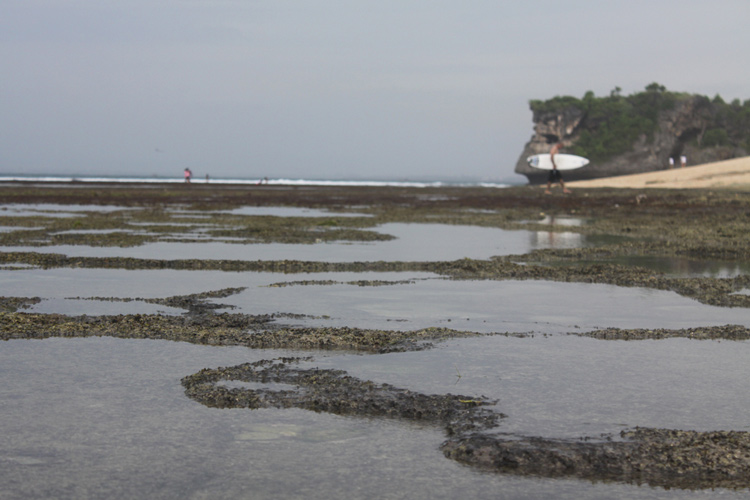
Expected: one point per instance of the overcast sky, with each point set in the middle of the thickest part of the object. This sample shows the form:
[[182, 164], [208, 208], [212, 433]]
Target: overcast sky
[[401, 89]]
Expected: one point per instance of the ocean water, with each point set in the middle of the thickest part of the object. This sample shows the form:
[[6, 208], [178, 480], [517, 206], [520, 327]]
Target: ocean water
[[241, 181]]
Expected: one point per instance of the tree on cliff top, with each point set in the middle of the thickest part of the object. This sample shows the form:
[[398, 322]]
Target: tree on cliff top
[[611, 125]]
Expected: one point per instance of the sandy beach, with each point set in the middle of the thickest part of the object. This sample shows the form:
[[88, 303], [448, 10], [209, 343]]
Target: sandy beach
[[729, 174]]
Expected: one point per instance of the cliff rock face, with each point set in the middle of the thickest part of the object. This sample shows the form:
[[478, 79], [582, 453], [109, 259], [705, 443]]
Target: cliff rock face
[[678, 132]]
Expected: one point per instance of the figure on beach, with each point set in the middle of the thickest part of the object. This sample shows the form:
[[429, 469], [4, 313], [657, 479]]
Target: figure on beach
[[188, 175], [554, 174], [683, 161]]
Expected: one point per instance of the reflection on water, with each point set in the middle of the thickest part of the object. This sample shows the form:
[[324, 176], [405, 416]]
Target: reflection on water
[[552, 239], [686, 267], [107, 418], [678, 267], [567, 239], [561, 220], [414, 242]]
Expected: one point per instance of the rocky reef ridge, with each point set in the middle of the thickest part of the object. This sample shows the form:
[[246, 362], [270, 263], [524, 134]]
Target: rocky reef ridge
[[639, 133]]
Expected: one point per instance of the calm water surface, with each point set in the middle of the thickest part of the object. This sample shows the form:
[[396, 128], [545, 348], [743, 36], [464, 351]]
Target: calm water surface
[[108, 418], [414, 242], [412, 301]]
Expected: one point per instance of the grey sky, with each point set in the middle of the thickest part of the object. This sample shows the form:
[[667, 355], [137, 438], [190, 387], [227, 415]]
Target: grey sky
[[405, 89]]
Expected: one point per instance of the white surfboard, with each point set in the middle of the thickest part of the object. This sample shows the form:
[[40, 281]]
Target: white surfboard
[[563, 161]]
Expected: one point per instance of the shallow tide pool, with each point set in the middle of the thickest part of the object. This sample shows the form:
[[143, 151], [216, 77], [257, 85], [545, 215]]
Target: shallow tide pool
[[107, 418], [404, 301], [414, 242]]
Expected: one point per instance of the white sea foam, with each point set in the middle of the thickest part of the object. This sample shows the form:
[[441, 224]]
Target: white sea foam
[[270, 182]]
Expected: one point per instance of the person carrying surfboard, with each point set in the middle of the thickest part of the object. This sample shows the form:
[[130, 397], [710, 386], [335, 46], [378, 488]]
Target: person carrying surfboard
[[554, 174]]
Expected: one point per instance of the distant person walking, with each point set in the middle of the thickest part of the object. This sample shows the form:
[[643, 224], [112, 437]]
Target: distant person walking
[[188, 175], [671, 162], [683, 161], [554, 174]]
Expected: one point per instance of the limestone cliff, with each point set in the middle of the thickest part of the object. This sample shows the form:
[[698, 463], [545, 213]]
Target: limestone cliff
[[638, 133]]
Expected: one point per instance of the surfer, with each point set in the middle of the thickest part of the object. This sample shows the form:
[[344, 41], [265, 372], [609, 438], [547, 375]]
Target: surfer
[[554, 174]]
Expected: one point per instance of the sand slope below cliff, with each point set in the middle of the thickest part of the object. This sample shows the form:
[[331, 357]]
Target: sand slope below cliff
[[731, 174]]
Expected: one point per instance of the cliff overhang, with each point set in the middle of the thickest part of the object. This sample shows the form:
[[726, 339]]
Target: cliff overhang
[[624, 135]]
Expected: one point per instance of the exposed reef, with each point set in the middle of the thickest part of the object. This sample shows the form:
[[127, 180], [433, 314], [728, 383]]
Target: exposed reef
[[12, 304], [333, 391], [659, 457], [201, 325], [725, 332]]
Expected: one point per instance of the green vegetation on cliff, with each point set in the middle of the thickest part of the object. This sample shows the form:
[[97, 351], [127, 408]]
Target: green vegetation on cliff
[[609, 126]]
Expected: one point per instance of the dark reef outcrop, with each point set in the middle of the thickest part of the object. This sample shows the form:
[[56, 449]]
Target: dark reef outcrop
[[639, 133], [667, 458]]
